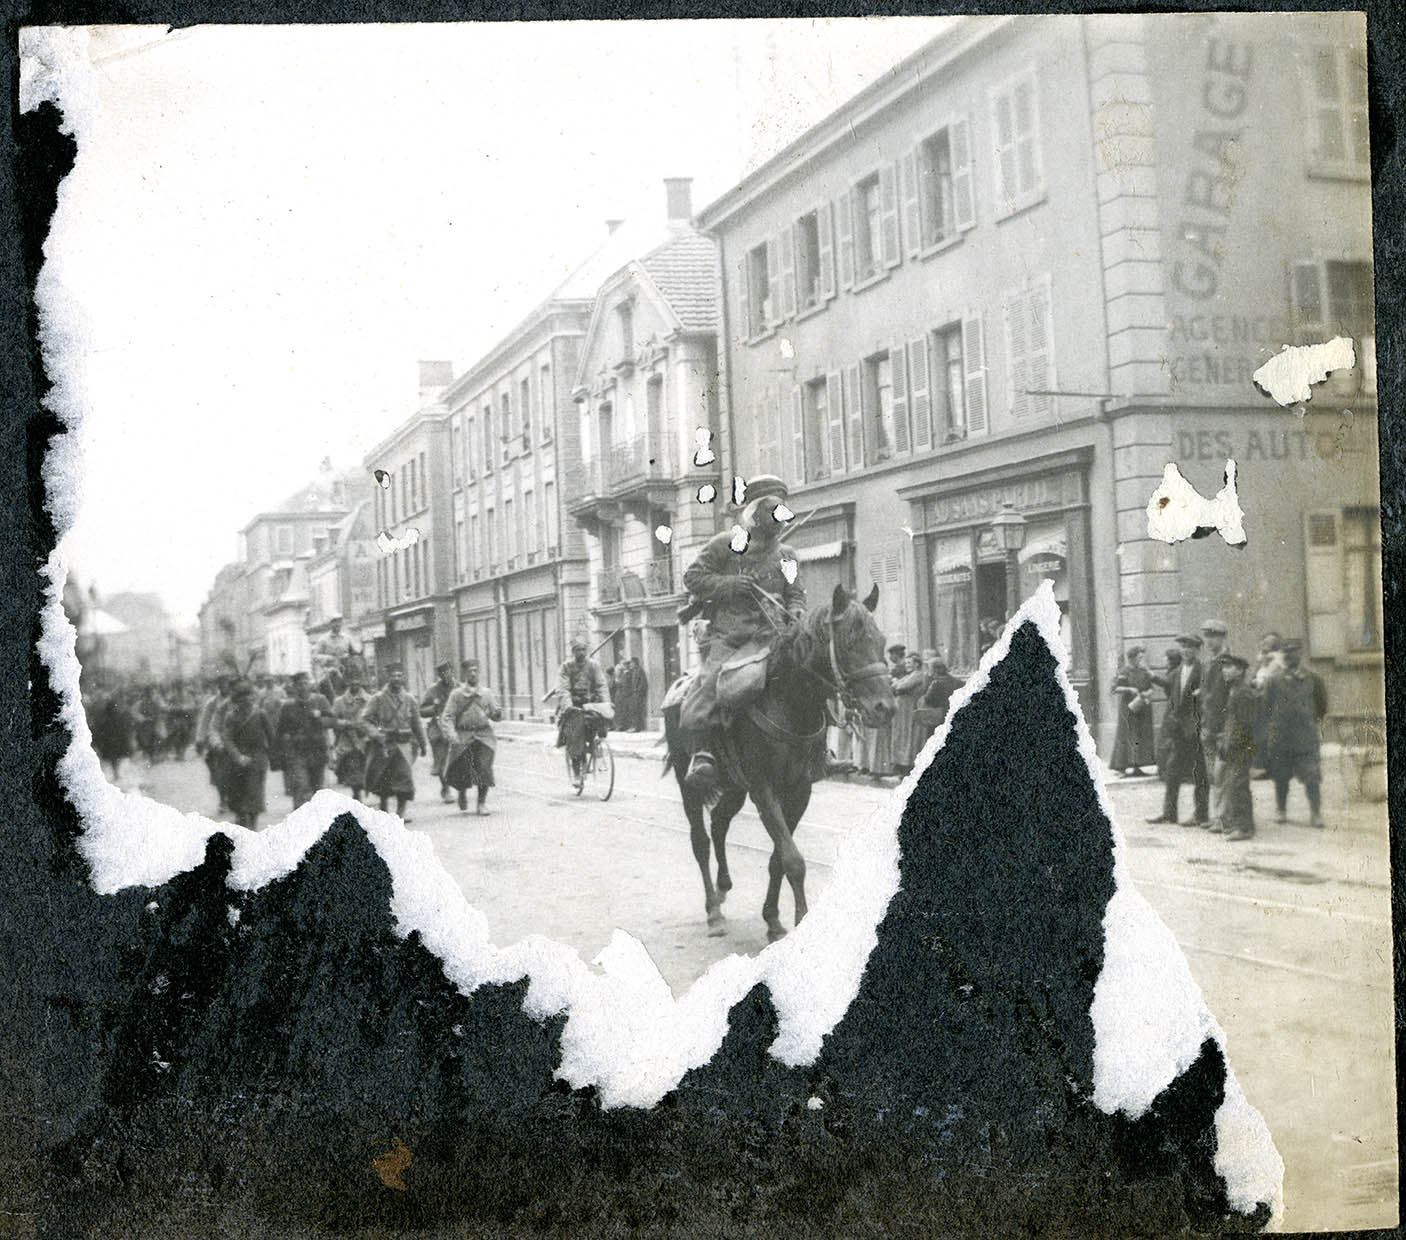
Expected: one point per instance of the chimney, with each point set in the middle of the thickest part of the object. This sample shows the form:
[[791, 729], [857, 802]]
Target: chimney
[[679, 195], [434, 378], [612, 226]]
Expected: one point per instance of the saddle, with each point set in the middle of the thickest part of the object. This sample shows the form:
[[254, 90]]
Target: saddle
[[742, 678]]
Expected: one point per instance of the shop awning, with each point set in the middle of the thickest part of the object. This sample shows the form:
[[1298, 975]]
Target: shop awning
[[956, 562], [821, 551], [1053, 542]]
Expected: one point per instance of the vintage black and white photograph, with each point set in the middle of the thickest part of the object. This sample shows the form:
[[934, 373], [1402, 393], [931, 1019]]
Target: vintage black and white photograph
[[610, 511]]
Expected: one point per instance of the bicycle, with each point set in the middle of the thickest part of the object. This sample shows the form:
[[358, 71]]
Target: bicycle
[[597, 764]]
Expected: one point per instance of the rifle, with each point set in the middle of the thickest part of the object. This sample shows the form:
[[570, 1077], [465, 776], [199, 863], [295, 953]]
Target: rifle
[[694, 606]]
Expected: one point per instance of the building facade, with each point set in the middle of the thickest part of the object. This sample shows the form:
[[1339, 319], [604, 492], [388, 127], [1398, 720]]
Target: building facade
[[648, 399], [342, 579], [411, 505], [1013, 279]]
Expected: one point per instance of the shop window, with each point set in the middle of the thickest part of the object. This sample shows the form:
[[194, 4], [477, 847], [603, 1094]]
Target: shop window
[[954, 630], [1337, 113], [1029, 350], [1016, 123]]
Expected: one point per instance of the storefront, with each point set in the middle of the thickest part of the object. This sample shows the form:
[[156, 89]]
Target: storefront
[[984, 543], [531, 626], [411, 644]]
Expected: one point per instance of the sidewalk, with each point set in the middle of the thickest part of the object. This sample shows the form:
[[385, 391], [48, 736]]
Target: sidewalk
[[649, 745]]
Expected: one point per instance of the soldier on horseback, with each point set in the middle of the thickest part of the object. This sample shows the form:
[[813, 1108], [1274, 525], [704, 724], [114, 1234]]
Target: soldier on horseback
[[747, 596]]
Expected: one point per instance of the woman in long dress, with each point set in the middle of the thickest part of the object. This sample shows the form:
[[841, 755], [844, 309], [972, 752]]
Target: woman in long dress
[[1133, 745], [906, 691]]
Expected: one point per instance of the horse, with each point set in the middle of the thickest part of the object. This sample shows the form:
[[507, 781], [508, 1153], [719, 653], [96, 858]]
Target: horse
[[774, 748]]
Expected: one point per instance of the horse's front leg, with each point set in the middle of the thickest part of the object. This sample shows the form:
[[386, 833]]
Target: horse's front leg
[[698, 837], [786, 860], [723, 814]]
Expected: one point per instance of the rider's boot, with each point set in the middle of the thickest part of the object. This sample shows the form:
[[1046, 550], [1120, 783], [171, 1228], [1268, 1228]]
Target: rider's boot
[[702, 774]]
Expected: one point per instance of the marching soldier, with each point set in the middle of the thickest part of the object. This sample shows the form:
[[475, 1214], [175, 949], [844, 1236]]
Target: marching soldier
[[302, 739], [431, 707], [350, 733], [467, 724], [393, 724]]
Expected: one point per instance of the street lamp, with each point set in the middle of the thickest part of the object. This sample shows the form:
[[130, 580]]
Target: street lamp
[[1008, 526]]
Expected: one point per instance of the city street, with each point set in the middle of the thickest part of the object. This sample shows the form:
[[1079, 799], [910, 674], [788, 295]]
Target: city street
[[1288, 934]]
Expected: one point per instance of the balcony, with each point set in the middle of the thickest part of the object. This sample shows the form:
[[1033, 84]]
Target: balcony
[[620, 584]]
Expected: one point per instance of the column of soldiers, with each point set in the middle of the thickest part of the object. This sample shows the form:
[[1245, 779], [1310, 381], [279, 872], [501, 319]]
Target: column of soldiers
[[1224, 722]]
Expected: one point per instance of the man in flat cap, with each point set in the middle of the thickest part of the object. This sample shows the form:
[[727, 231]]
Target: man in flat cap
[[1295, 702], [1181, 729], [748, 587], [1237, 748], [1214, 697]]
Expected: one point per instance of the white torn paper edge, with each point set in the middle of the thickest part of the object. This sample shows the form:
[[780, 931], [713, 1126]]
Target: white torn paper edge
[[1177, 510], [1290, 374]]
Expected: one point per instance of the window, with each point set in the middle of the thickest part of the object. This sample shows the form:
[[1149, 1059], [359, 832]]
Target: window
[[868, 229], [546, 404], [759, 303], [949, 394], [764, 414], [1337, 119], [283, 539], [1332, 298], [549, 503], [505, 427], [531, 535], [654, 415], [1343, 564], [489, 455], [808, 285], [476, 555], [422, 480], [455, 440], [1019, 177], [470, 438], [878, 404], [1029, 350], [938, 196], [936, 206], [492, 534], [525, 400], [459, 556], [509, 531]]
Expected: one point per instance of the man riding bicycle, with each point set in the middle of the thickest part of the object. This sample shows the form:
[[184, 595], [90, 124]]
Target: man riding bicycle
[[580, 683]]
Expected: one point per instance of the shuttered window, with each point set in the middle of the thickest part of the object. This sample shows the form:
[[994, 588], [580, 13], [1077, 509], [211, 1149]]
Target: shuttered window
[[798, 433], [974, 374], [835, 412], [1029, 352], [898, 368], [919, 394], [786, 247], [1336, 83], [854, 419], [1016, 125], [844, 238], [816, 415], [868, 229]]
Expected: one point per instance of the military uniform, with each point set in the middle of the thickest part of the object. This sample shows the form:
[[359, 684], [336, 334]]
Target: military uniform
[[467, 723], [393, 722], [301, 738]]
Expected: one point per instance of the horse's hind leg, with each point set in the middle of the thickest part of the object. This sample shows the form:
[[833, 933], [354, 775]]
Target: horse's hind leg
[[786, 861], [698, 836], [723, 814]]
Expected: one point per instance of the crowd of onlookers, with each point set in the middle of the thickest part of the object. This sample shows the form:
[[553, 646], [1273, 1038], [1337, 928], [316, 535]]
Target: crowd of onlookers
[[922, 688], [1225, 722]]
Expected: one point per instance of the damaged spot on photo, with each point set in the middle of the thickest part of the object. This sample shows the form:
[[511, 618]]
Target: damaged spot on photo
[[743, 648]]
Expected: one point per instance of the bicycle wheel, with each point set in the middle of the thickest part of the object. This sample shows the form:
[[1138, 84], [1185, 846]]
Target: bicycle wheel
[[603, 770], [577, 782]]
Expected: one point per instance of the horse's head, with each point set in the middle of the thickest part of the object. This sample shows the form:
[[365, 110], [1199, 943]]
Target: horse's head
[[857, 655]]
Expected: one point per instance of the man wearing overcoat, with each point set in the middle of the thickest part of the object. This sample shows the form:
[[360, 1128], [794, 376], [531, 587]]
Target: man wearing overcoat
[[747, 596], [393, 724], [1295, 703], [1181, 729]]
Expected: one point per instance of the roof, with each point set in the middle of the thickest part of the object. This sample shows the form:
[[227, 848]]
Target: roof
[[628, 241], [685, 271]]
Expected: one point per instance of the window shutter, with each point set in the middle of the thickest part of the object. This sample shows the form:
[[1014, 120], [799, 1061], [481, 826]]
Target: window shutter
[[963, 195], [1323, 581], [974, 368], [772, 309], [1040, 366], [825, 228], [1004, 121], [854, 417], [835, 411], [844, 208], [773, 412], [898, 369], [742, 328], [919, 396], [798, 434], [1307, 300], [912, 221], [788, 272], [888, 215], [1017, 325]]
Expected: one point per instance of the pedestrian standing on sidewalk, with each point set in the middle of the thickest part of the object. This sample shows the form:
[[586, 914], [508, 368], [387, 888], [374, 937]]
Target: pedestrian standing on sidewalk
[[1182, 727], [301, 738], [1164, 733], [467, 722], [1237, 748], [1268, 666], [1295, 704], [247, 741], [392, 724], [1133, 746], [349, 752], [1214, 695], [907, 690], [431, 707]]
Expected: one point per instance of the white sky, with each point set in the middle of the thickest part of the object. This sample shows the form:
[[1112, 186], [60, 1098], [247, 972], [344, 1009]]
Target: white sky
[[268, 226]]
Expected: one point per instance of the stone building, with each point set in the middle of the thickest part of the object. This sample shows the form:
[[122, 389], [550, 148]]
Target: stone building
[[647, 396], [975, 312]]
